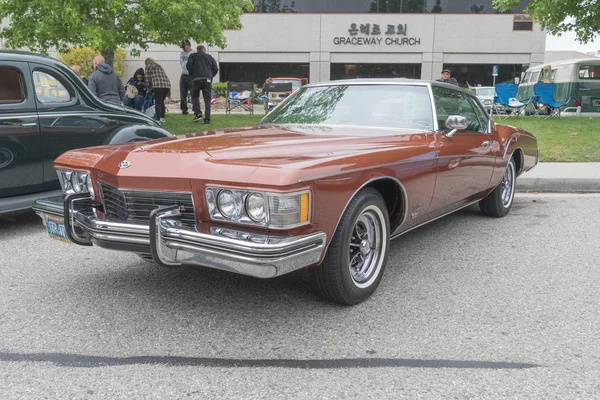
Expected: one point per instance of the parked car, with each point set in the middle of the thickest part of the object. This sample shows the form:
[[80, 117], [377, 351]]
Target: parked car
[[45, 110], [324, 182], [485, 94], [280, 88]]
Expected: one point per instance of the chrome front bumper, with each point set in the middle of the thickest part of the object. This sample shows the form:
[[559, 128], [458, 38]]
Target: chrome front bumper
[[258, 255]]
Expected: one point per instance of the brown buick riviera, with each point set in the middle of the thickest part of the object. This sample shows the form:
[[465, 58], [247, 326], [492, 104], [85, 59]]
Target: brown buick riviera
[[323, 182]]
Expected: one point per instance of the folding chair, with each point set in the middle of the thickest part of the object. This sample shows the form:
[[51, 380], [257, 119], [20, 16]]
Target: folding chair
[[544, 96], [506, 100], [277, 92], [240, 95]]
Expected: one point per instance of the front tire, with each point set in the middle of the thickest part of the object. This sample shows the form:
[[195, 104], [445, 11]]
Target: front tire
[[357, 254], [498, 203]]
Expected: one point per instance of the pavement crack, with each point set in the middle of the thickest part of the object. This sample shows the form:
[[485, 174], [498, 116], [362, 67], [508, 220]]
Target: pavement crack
[[87, 361]]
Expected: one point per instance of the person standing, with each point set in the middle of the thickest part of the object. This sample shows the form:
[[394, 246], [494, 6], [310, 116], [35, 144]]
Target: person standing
[[203, 69], [159, 83], [105, 83], [186, 82], [447, 78]]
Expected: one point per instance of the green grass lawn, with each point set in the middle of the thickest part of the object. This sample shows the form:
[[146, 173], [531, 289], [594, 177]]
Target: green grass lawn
[[179, 124], [568, 139]]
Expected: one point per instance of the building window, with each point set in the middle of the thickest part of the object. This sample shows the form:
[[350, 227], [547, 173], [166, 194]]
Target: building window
[[11, 86], [351, 71], [259, 72], [522, 23], [382, 6], [481, 74]]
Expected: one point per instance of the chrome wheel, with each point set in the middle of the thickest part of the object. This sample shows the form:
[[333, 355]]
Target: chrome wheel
[[508, 185], [367, 245]]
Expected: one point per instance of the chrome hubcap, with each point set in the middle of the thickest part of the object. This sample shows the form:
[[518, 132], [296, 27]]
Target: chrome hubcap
[[365, 246], [508, 185]]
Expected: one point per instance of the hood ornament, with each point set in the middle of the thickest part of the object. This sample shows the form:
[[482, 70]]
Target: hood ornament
[[124, 164]]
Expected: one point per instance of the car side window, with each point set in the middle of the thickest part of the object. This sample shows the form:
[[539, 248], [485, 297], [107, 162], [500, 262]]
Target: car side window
[[12, 90], [481, 115], [452, 102], [48, 89]]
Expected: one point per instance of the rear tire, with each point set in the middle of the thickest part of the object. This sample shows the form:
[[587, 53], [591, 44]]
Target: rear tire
[[498, 203], [357, 254]]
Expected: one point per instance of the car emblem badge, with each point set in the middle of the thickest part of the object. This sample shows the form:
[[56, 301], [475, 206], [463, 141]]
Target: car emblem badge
[[124, 164]]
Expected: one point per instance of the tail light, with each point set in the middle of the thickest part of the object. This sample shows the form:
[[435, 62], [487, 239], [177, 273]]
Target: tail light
[[576, 103]]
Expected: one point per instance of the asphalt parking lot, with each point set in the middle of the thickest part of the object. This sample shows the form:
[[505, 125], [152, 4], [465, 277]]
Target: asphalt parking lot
[[469, 307]]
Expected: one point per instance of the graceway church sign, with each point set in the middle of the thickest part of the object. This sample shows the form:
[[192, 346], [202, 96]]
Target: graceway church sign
[[375, 35]]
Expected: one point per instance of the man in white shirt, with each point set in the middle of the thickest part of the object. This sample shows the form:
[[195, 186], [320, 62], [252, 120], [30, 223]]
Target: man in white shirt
[[186, 82]]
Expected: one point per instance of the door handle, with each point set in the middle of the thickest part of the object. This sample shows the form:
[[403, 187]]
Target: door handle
[[487, 143], [30, 124]]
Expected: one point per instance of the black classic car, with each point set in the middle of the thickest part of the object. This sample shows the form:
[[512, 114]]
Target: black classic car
[[45, 110]]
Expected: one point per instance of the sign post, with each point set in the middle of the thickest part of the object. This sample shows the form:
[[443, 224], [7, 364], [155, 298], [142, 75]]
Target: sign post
[[494, 75]]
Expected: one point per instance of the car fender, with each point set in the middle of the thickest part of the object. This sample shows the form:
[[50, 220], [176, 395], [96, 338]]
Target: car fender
[[136, 133]]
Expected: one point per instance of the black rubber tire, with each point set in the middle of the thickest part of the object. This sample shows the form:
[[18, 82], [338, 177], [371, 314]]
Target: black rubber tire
[[332, 278], [492, 205]]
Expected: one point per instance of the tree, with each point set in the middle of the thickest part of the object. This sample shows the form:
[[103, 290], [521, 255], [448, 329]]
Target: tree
[[556, 17], [105, 25], [84, 56]]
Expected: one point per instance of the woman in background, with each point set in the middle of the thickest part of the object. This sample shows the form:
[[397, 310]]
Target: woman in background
[[159, 83], [137, 82]]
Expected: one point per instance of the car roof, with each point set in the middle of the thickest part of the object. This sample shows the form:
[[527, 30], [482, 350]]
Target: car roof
[[25, 56], [384, 81]]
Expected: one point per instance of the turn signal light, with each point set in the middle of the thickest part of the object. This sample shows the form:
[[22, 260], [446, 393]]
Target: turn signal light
[[304, 207]]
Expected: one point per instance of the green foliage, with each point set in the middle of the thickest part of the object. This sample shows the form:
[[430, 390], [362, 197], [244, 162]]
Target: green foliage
[[110, 24], [556, 17], [84, 56], [220, 88]]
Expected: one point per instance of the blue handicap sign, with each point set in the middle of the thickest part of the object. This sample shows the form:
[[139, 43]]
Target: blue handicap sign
[[495, 70]]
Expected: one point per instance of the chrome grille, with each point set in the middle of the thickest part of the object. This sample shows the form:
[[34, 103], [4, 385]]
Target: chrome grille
[[135, 206]]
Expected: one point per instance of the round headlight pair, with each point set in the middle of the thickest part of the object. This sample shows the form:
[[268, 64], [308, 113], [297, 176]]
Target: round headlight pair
[[231, 204], [79, 181]]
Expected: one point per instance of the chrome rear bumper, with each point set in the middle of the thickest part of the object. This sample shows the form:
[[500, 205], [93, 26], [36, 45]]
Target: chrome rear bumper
[[258, 255]]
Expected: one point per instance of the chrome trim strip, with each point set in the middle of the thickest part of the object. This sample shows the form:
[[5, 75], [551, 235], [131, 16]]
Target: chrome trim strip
[[404, 201], [371, 82], [509, 142], [436, 126], [395, 235]]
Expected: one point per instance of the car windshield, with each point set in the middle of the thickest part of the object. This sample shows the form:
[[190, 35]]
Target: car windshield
[[387, 106], [485, 92], [295, 83]]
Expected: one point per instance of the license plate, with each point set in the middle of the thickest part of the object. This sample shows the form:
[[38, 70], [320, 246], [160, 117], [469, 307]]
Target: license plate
[[56, 228], [596, 103]]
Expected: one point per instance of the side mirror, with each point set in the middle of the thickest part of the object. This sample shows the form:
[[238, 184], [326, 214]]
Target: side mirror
[[456, 123]]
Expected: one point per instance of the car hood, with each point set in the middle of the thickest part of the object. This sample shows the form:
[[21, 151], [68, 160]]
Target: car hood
[[284, 153]]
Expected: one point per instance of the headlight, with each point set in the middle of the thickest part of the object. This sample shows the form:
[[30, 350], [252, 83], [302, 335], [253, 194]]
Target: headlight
[[273, 210], [229, 203], [75, 181], [256, 207]]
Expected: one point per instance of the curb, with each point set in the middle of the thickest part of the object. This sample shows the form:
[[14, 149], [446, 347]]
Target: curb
[[555, 185]]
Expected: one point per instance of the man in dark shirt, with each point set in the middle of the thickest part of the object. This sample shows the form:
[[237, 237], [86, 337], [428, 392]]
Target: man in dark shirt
[[203, 69], [447, 78]]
